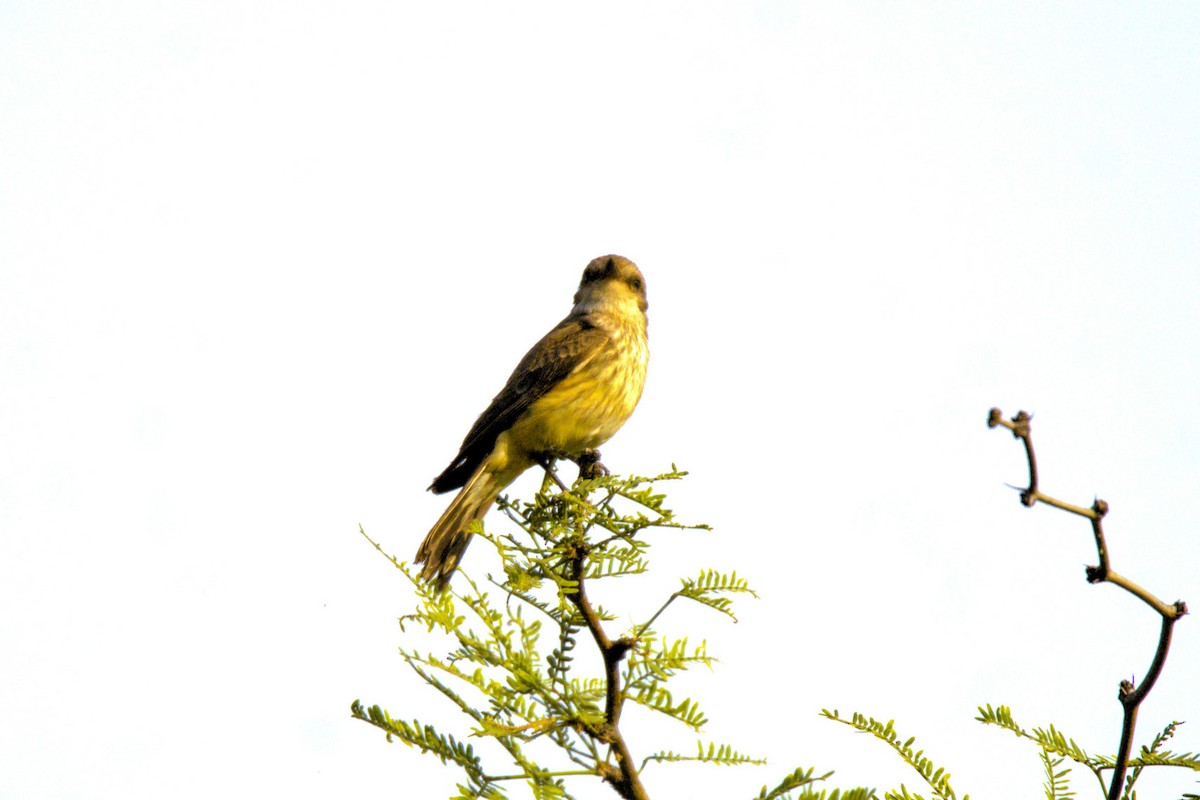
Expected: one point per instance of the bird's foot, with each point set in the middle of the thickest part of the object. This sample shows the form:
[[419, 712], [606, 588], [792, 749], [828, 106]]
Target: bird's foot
[[590, 466]]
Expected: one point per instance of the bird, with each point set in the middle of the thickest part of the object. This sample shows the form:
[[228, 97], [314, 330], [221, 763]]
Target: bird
[[571, 392]]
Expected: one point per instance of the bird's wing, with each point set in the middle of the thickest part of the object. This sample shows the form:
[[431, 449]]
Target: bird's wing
[[559, 353]]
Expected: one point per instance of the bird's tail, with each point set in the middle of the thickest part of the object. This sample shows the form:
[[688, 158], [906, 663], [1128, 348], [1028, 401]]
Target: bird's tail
[[447, 541]]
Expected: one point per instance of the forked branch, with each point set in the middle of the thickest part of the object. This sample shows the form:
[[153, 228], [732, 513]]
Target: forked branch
[[624, 778], [1131, 696]]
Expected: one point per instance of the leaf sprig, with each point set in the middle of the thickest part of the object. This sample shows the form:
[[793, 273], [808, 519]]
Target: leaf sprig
[[512, 660]]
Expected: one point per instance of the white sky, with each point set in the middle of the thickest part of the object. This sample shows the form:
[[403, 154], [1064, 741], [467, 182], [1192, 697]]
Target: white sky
[[262, 264]]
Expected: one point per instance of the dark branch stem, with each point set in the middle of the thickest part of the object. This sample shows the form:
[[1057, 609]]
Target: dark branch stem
[[625, 778], [1127, 726], [1019, 425], [1160, 658], [1103, 571], [1131, 697]]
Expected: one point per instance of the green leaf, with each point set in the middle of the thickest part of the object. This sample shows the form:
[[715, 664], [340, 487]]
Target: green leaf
[[936, 777]]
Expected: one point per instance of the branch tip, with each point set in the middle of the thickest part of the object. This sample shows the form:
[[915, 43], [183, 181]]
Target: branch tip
[[1020, 424]]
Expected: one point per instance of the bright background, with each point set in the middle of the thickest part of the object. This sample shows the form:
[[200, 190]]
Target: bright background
[[261, 264]]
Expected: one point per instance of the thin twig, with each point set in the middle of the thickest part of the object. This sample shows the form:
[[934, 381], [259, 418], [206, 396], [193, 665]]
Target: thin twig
[[547, 463], [645, 626], [1131, 696]]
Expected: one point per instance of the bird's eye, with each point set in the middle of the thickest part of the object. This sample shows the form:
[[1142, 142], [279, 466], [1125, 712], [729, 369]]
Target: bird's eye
[[635, 283]]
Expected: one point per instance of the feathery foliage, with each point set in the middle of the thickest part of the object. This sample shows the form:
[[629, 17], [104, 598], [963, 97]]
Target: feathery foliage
[[513, 665], [1056, 785], [544, 712], [1056, 747], [937, 778]]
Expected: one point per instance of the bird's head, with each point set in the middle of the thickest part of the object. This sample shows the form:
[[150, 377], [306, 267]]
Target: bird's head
[[611, 283]]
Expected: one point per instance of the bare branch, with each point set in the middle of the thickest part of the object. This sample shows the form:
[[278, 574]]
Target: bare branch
[[624, 778], [1131, 696]]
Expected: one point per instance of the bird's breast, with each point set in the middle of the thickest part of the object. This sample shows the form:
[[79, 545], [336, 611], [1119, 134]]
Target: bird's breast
[[592, 403]]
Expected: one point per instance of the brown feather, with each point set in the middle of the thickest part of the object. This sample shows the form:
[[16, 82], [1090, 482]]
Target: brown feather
[[559, 353]]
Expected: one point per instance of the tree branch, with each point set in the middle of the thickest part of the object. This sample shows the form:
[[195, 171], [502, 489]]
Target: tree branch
[[625, 778], [1131, 696]]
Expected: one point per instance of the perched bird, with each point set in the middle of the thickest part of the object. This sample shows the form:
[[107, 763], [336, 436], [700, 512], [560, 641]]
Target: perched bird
[[571, 392]]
